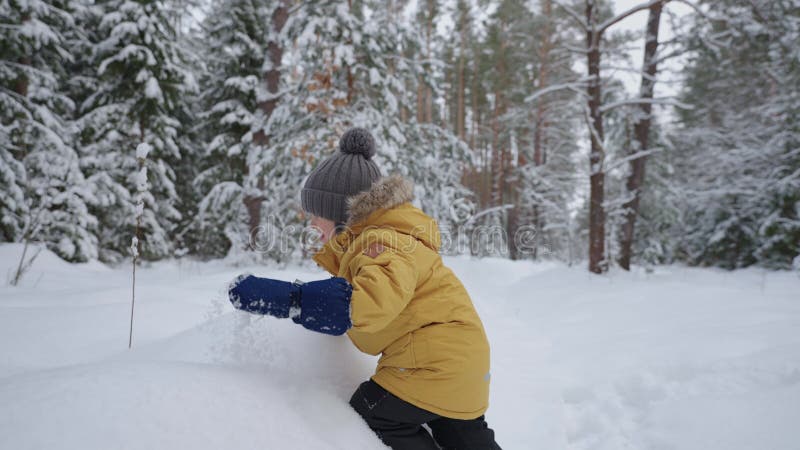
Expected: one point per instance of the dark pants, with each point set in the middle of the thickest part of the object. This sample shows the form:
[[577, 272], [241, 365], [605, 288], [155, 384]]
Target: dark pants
[[399, 423]]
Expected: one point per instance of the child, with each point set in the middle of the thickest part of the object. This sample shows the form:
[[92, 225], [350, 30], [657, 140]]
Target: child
[[394, 297]]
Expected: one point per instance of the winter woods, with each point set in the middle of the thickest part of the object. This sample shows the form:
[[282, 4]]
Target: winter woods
[[532, 129]]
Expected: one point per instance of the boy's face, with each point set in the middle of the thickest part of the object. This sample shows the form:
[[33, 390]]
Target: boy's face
[[327, 228]]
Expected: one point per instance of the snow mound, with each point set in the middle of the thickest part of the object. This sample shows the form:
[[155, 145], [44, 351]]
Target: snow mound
[[677, 358], [149, 405], [238, 339], [236, 381]]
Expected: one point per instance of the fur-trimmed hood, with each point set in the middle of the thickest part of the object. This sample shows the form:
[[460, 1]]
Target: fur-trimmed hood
[[387, 204], [385, 193]]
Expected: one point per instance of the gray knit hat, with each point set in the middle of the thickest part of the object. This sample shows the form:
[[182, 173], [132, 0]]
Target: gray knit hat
[[344, 174]]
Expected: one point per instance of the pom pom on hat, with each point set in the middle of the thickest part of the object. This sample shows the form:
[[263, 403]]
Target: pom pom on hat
[[357, 141]]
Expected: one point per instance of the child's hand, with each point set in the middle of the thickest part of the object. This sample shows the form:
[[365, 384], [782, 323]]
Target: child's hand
[[322, 306], [263, 295], [325, 306]]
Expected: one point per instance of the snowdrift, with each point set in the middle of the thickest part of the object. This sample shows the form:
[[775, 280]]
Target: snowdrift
[[676, 359]]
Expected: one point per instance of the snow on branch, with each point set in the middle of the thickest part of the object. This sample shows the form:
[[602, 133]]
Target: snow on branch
[[666, 56], [633, 157], [641, 101], [699, 11], [572, 13], [619, 17], [630, 70], [574, 49], [557, 87]]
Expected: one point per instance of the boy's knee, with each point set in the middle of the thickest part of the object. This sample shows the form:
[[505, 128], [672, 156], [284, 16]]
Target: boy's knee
[[357, 400], [366, 398]]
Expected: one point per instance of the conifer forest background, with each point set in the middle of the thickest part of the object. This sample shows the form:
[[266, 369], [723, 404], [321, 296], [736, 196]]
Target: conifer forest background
[[539, 129]]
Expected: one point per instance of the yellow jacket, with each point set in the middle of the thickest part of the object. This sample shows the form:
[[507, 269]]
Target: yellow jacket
[[407, 306]]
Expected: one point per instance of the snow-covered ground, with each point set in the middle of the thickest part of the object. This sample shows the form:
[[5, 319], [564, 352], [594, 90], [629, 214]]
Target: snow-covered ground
[[676, 359]]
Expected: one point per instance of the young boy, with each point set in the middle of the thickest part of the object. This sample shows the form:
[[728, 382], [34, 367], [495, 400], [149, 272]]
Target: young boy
[[393, 296]]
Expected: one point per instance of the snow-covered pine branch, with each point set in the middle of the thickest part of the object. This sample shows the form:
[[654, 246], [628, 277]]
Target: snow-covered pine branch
[[577, 84], [602, 27], [651, 101]]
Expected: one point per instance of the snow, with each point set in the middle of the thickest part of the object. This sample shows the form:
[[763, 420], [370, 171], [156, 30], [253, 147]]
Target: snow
[[680, 358], [132, 52], [38, 32], [153, 90], [142, 150], [374, 76], [141, 179]]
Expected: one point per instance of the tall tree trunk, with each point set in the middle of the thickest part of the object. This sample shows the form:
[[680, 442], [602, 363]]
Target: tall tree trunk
[[461, 87], [351, 85], [641, 135], [21, 84], [515, 214], [499, 146], [428, 104], [474, 105], [428, 54], [420, 101], [404, 108], [272, 79], [545, 48], [487, 173], [496, 160], [541, 122], [597, 217], [445, 114]]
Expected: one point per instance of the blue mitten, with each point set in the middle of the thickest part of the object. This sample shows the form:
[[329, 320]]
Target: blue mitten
[[325, 306], [264, 295], [322, 306]]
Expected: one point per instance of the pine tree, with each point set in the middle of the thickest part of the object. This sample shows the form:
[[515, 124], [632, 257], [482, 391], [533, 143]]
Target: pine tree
[[550, 177], [457, 53], [640, 144], [238, 36], [739, 171], [140, 97], [349, 70], [43, 194], [661, 213], [595, 25], [520, 122]]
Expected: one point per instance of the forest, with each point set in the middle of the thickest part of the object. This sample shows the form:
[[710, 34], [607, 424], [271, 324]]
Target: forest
[[546, 130], [610, 224]]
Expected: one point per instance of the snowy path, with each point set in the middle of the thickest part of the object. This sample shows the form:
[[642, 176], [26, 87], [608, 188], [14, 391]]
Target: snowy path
[[678, 359]]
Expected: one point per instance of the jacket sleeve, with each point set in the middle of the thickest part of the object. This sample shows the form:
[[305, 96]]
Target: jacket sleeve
[[382, 287]]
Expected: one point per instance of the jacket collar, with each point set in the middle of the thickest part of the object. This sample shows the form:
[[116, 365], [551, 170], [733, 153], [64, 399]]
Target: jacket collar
[[386, 193]]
